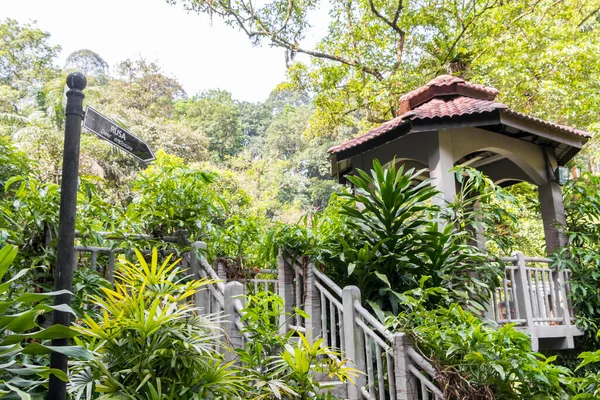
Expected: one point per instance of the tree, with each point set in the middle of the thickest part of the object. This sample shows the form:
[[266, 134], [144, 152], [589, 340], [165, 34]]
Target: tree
[[539, 53], [141, 85], [285, 135], [26, 57], [88, 62], [218, 116]]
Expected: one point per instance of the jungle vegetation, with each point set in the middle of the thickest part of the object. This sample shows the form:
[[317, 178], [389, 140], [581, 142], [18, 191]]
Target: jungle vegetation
[[250, 179]]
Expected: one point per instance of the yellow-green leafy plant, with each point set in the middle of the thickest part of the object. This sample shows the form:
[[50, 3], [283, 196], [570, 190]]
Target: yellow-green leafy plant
[[151, 342], [286, 365]]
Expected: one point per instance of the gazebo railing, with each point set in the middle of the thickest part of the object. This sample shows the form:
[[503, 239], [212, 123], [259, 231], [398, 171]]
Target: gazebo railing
[[535, 297]]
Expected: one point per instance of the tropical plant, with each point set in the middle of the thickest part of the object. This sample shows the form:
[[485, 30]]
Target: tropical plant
[[390, 213], [285, 365], [23, 342], [398, 239], [482, 207], [151, 340], [170, 196], [474, 360], [587, 386], [581, 256], [87, 284]]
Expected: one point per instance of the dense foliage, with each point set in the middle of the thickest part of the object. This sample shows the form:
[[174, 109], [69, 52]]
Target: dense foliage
[[253, 179], [538, 53], [281, 366], [24, 342], [475, 360], [150, 342], [581, 256]]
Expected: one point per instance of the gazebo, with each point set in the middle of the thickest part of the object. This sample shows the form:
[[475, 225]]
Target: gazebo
[[450, 122]]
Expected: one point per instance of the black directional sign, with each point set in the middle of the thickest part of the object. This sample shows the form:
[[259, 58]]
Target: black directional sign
[[113, 133]]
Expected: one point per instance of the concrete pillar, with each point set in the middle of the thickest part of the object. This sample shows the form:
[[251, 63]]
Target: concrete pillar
[[406, 383], [553, 216], [222, 271], [523, 300], [285, 286], [354, 342], [202, 296], [441, 161], [234, 291], [312, 306]]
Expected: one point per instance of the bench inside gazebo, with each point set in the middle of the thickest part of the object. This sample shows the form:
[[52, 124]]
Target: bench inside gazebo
[[450, 122]]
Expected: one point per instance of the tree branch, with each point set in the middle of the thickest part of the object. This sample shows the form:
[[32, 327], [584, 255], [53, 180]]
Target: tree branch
[[392, 24], [262, 30], [588, 17], [294, 47], [465, 28], [531, 10]]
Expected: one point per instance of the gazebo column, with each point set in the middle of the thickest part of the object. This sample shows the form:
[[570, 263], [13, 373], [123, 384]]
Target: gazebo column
[[553, 216], [441, 161]]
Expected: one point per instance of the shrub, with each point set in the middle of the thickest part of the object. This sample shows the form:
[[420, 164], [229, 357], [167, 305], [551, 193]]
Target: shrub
[[475, 360], [285, 365], [582, 254], [151, 343], [170, 196], [23, 343], [399, 240]]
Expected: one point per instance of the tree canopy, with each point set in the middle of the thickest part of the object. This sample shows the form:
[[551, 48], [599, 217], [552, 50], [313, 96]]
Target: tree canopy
[[540, 54]]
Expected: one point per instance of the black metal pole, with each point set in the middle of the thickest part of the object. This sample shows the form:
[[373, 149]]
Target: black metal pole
[[65, 254]]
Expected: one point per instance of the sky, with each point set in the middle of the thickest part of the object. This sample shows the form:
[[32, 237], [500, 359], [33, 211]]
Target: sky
[[202, 54]]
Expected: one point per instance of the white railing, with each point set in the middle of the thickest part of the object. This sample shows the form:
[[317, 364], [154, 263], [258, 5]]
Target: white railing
[[531, 295], [535, 297], [391, 368]]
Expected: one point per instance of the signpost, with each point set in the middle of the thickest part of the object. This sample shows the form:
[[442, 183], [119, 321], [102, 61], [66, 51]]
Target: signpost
[[113, 133], [65, 254]]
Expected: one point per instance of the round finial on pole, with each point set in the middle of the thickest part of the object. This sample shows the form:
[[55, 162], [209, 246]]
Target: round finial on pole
[[76, 80]]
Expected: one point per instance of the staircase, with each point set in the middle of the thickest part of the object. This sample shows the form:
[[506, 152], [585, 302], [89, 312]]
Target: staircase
[[391, 368], [532, 295]]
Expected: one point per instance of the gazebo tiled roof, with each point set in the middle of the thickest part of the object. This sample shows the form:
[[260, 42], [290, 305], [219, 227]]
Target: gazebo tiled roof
[[447, 97]]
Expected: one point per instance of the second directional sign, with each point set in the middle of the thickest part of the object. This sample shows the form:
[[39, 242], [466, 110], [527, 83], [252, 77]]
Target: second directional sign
[[113, 133]]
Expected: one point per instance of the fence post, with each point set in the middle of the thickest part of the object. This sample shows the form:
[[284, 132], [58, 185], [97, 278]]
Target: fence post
[[406, 382], [353, 341], [524, 297], [560, 284], [233, 291], [110, 270], [286, 280], [202, 296], [312, 306]]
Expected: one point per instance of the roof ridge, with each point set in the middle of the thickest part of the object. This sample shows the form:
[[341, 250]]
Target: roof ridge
[[444, 86]]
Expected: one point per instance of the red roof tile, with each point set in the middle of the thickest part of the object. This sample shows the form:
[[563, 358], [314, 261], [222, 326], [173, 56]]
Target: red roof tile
[[443, 97], [373, 133], [439, 108], [563, 128]]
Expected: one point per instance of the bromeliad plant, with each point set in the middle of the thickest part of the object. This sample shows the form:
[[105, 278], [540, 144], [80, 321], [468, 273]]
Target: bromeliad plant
[[151, 343], [23, 341]]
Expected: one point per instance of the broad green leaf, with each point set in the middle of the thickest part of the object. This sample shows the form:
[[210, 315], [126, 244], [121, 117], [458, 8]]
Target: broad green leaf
[[78, 352]]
